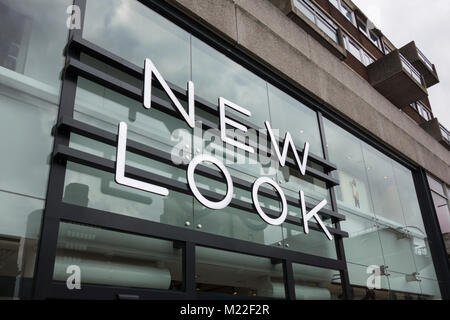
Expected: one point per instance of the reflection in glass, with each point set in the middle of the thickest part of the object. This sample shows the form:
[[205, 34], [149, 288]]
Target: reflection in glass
[[25, 125], [238, 274], [32, 40], [442, 211], [89, 187], [315, 243], [20, 222], [312, 283], [302, 122], [363, 243], [384, 220], [117, 259], [216, 76], [236, 223], [104, 108], [133, 32]]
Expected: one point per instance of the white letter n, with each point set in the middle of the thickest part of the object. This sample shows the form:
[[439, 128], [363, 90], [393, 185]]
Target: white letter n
[[149, 70]]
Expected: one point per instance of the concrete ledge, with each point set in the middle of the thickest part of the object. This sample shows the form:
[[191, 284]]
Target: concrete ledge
[[217, 15]]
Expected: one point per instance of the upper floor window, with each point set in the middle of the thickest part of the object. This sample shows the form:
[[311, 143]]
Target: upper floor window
[[318, 17], [368, 32], [422, 110], [387, 48], [445, 133], [357, 51], [345, 9]]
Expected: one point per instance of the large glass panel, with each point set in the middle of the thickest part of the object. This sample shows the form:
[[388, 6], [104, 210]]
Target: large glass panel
[[92, 188], [397, 250], [314, 189], [366, 285], [430, 289], [216, 76], [400, 284], [247, 166], [302, 122], [132, 31], [238, 274], [363, 243], [232, 222], [315, 243], [443, 213], [100, 149], [20, 222], [104, 108], [117, 259], [32, 40], [436, 186], [26, 144], [345, 150], [312, 283], [383, 188], [384, 220]]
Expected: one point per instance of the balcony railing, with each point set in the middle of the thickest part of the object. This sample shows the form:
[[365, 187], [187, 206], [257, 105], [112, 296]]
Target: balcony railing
[[425, 59], [315, 15], [416, 57], [411, 70], [445, 133]]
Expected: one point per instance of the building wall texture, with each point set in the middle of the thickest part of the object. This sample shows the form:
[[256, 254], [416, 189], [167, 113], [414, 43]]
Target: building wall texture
[[261, 30]]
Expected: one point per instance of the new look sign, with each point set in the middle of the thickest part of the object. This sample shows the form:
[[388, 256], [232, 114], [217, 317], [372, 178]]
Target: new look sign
[[226, 121]]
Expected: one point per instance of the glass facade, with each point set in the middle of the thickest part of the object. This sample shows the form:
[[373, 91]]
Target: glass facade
[[384, 221], [31, 58], [235, 251]]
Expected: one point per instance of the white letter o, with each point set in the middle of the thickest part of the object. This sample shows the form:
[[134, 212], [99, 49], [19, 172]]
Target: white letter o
[[191, 181], [278, 221]]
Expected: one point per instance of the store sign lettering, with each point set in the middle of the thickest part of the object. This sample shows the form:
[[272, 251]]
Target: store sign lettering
[[189, 116]]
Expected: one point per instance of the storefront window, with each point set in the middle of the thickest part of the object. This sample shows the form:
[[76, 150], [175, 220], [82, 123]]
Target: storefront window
[[441, 203], [384, 221], [313, 283], [315, 243], [117, 259], [216, 76], [132, 31], [92, 188], [231, 273], [32, 40], [104, 108], [376, 194]]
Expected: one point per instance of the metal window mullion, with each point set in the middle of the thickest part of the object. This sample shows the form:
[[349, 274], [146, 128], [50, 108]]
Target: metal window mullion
[[433, 231], [50, 222], [289, 281], [339, 242], [189, 261]]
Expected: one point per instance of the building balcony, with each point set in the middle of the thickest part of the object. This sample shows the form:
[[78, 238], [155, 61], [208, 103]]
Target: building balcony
[[421, 63], [316, 23], [397, 79], [437, 131]]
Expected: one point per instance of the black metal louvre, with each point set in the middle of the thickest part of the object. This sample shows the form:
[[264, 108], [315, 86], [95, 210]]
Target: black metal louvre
[[132, 92]]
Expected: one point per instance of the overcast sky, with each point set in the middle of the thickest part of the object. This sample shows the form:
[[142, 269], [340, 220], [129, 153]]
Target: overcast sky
[[428, 24]]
